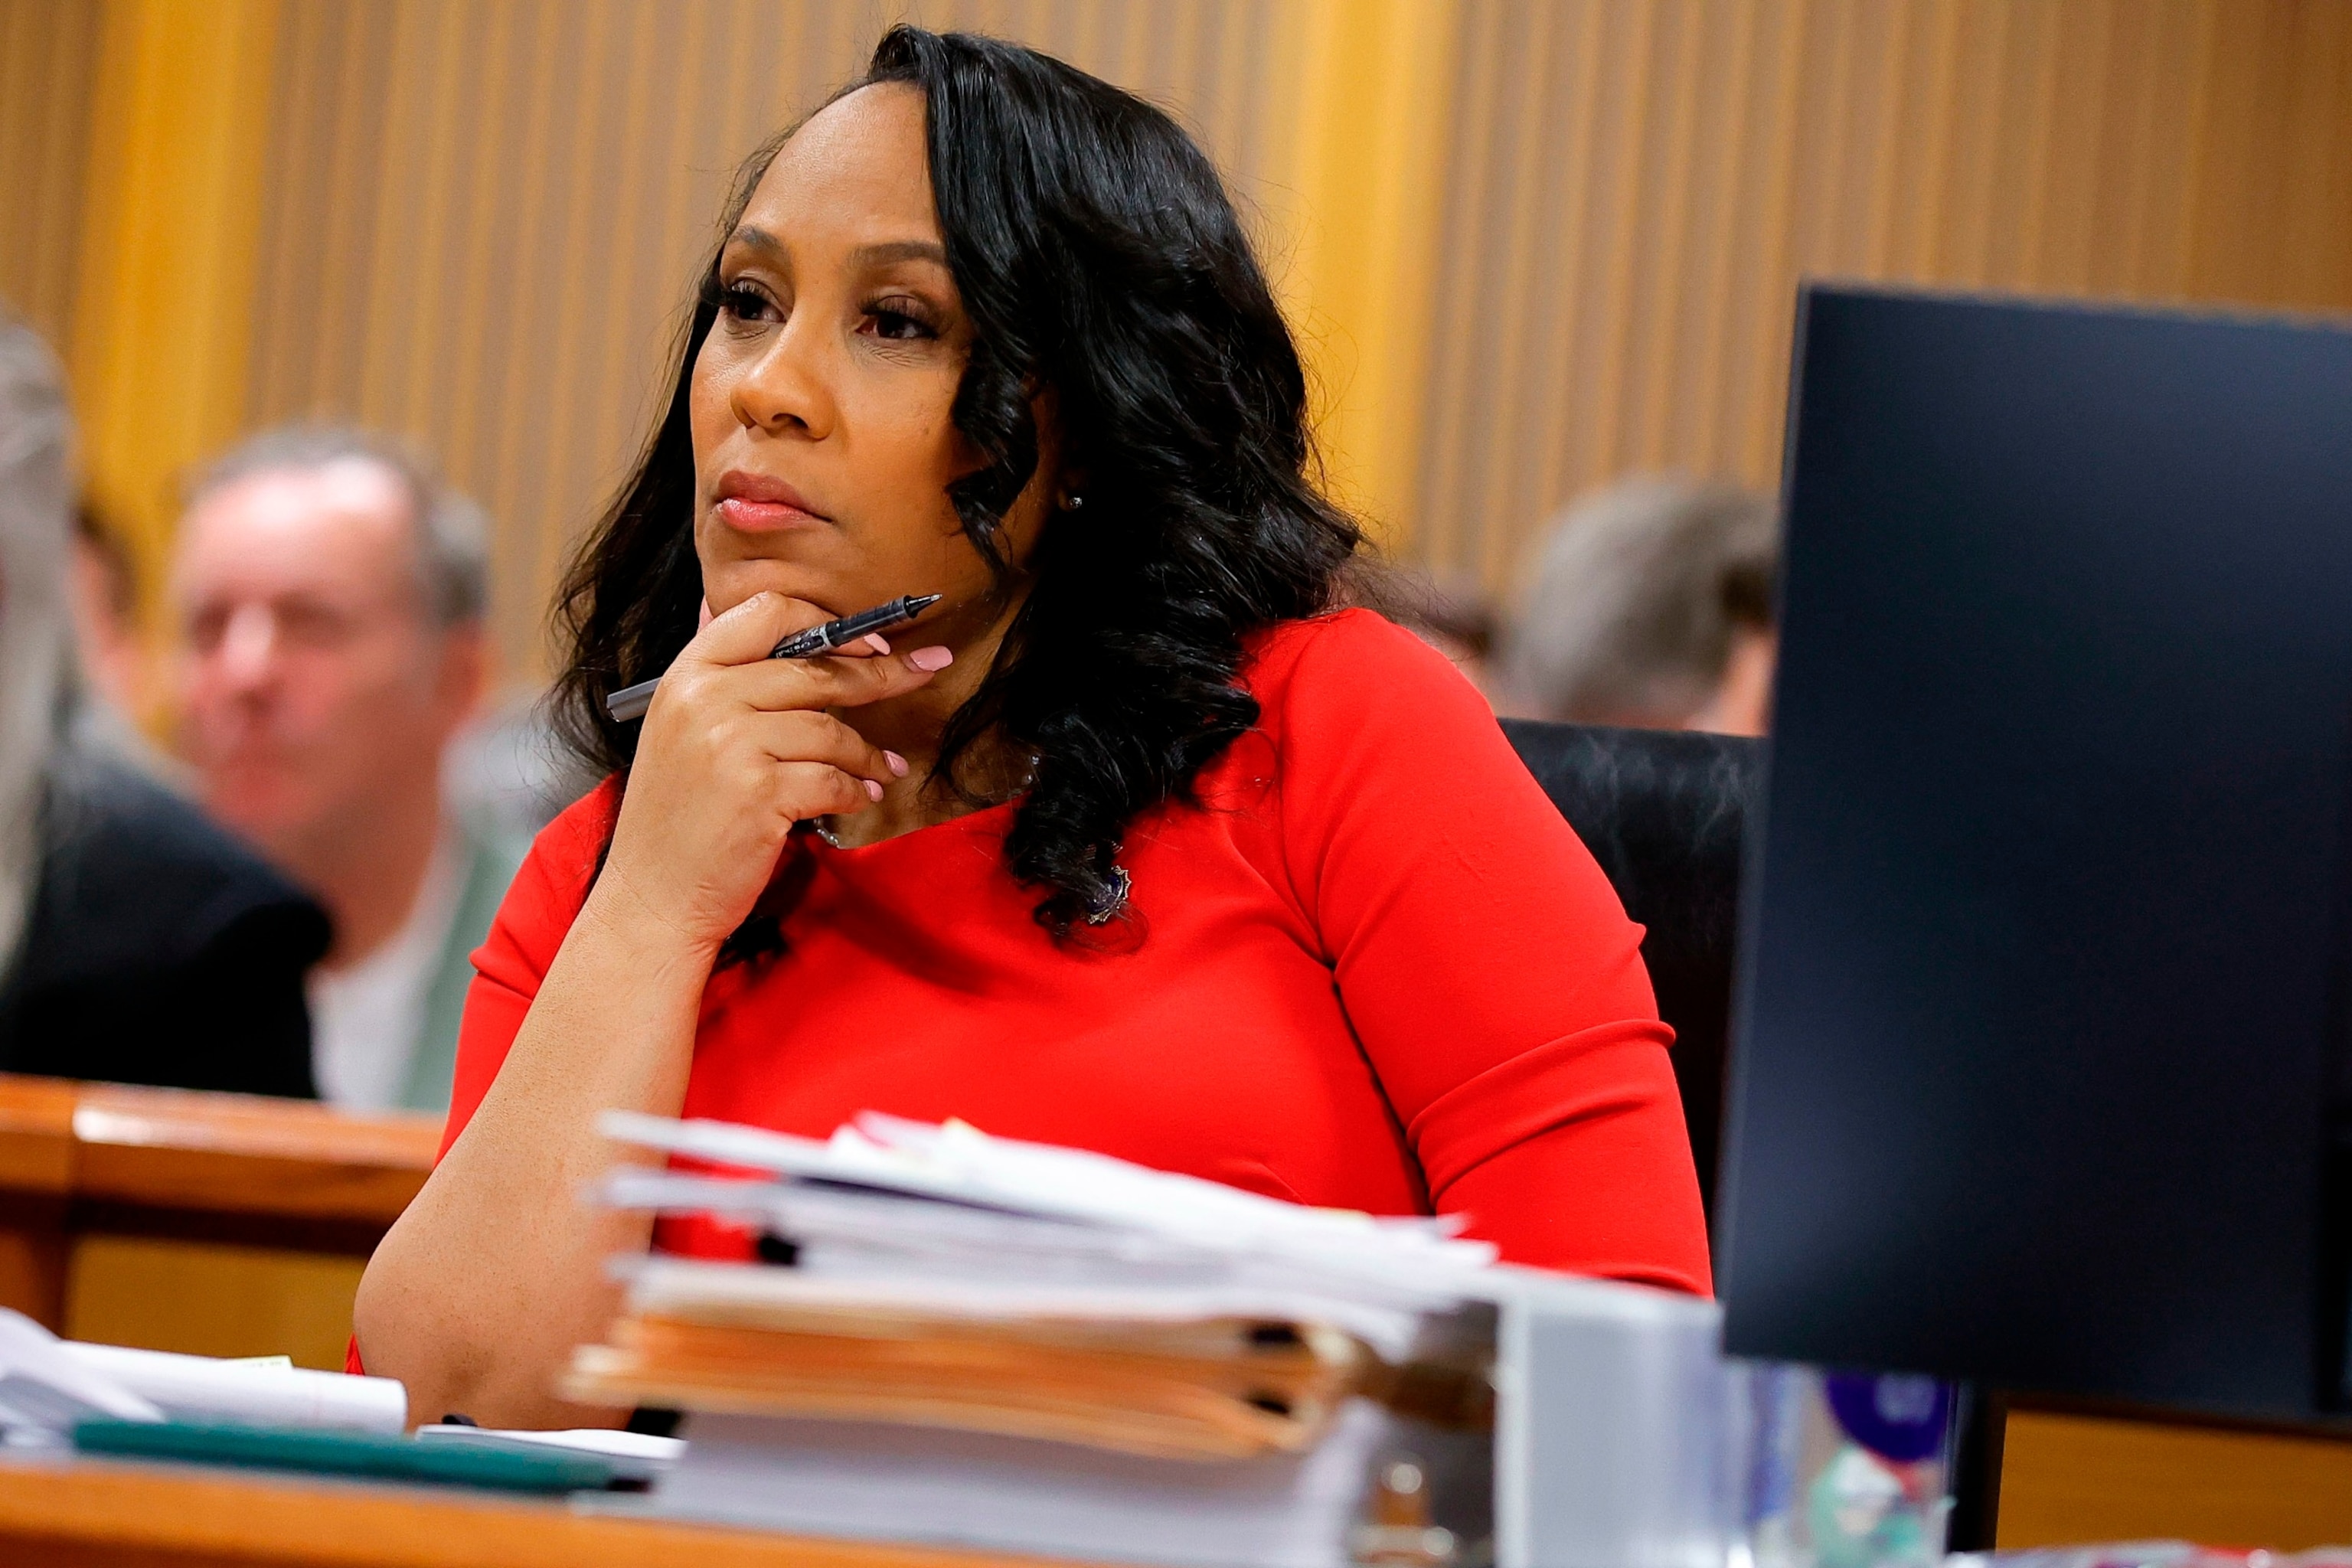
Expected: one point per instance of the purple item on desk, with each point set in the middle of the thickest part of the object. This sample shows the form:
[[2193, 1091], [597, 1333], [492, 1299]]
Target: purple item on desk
[[1899, 1418]]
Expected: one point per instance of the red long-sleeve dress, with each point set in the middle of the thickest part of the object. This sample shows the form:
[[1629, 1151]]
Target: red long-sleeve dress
[[1371, 969]]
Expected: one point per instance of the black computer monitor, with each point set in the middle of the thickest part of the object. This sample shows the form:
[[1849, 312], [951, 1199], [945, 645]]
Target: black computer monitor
[[2040, 1075]]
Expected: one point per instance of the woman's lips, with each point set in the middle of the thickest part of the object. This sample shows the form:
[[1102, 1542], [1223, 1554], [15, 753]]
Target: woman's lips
[[761, 503], [764, 516]]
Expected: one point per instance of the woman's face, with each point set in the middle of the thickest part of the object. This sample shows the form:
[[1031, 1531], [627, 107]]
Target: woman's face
[[822, 446]]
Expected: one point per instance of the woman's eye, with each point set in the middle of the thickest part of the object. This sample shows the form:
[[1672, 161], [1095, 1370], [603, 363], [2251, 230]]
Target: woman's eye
[[741, 302], [897, 326]]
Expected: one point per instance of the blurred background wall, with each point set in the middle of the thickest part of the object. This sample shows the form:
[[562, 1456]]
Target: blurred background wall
[[1634, 186], [1532, 245]]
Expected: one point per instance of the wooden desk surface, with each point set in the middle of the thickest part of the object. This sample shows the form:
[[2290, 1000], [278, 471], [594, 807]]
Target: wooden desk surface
[[80, 1513], [229, 1225], [2084, 1480]]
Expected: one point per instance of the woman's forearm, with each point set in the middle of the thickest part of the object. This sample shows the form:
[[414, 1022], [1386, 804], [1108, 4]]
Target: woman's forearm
[[497, 1271], [477, 1296]]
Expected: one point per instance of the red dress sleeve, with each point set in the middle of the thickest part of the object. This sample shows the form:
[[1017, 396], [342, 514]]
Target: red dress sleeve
[[541, 904], [1483, 960]]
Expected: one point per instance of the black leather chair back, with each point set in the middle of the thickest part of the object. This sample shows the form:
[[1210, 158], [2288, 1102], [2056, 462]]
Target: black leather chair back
[[1665, 812]]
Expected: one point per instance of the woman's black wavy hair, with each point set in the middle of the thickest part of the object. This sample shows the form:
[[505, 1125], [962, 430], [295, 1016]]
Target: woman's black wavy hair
[[1098, 257]]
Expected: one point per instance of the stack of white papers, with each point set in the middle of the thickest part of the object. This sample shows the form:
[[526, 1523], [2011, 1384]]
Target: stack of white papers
[[1009, 1346], [48, 1385], [955, 1489]]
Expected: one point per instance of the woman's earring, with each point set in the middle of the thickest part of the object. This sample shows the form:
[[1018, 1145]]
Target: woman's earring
[[1073, 502], [1114, 903]]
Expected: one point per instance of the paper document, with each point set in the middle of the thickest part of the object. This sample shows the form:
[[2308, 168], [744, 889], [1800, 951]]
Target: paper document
[[1182, 1384], [955, 1337], [954, 1162], [204, 1388], [44, 1390], [999, 1494], [48, 1385]]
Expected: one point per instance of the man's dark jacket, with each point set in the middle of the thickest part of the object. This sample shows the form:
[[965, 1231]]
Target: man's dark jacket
[[158, 950]]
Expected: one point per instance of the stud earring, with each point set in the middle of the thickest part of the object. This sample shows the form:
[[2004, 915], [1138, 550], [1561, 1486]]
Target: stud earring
[[1073, 502]]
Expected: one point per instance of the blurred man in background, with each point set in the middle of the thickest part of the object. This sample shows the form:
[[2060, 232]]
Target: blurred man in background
[[137, 941], [330, 596], [1652, 607]]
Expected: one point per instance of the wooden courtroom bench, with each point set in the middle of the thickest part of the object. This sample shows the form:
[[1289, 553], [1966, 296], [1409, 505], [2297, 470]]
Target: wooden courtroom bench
[[221, 1225]]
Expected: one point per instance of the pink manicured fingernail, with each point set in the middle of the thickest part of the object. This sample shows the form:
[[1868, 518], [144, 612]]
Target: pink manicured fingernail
[[873, 790], [875, 639], [929, 659], [705, 619], [897, 764]]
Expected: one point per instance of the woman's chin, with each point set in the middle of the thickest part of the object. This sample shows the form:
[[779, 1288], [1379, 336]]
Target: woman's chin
[[731, 585]]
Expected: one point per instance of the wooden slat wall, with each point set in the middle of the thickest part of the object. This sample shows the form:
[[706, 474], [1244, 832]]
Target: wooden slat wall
[[484, 219], [164, 305], [48, 56], [480, 220], [1635, 187]]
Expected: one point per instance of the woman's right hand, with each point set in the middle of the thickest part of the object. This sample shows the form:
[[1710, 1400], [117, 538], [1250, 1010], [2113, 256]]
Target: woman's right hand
[[736, 749]]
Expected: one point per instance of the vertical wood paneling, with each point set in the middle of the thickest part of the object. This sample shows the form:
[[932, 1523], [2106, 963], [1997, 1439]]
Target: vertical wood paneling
[[1636, 185], [479, 222], [1371, 82], [484, 220], [1701, 430], [164, 306], [49, 65]]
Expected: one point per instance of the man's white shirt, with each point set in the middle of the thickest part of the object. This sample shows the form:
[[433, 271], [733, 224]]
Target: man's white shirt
[[366, 1017]]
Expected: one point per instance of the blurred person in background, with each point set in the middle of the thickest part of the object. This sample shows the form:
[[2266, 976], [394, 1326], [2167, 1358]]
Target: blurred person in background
[[330, 593], [117, 678], [105, 614], [1652, 607], [1450, 612], [138, 942], [509, 773]]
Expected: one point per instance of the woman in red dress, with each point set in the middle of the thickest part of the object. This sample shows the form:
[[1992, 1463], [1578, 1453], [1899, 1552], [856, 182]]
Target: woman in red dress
[[1135, 842]]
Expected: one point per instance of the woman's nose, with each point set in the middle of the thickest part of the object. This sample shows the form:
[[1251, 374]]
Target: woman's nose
[[788, 388]]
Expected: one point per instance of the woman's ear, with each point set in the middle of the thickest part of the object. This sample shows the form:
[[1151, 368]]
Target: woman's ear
[[1047, 492], [1068, 487]]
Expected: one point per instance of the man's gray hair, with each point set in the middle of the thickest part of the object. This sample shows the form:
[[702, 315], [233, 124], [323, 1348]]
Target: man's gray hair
[[451, 534], [37, 669], [1637, 593]]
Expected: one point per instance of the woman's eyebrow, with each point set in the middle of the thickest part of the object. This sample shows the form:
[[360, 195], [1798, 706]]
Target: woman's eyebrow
[[759, 239], [877, 255], [900, 250]]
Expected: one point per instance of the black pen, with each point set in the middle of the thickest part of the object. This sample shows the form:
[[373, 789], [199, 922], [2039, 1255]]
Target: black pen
[[630, 701]]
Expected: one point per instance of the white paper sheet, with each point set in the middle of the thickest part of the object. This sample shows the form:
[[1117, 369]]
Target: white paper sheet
[[957, 1163], [204, 1388], [44, 1392]]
